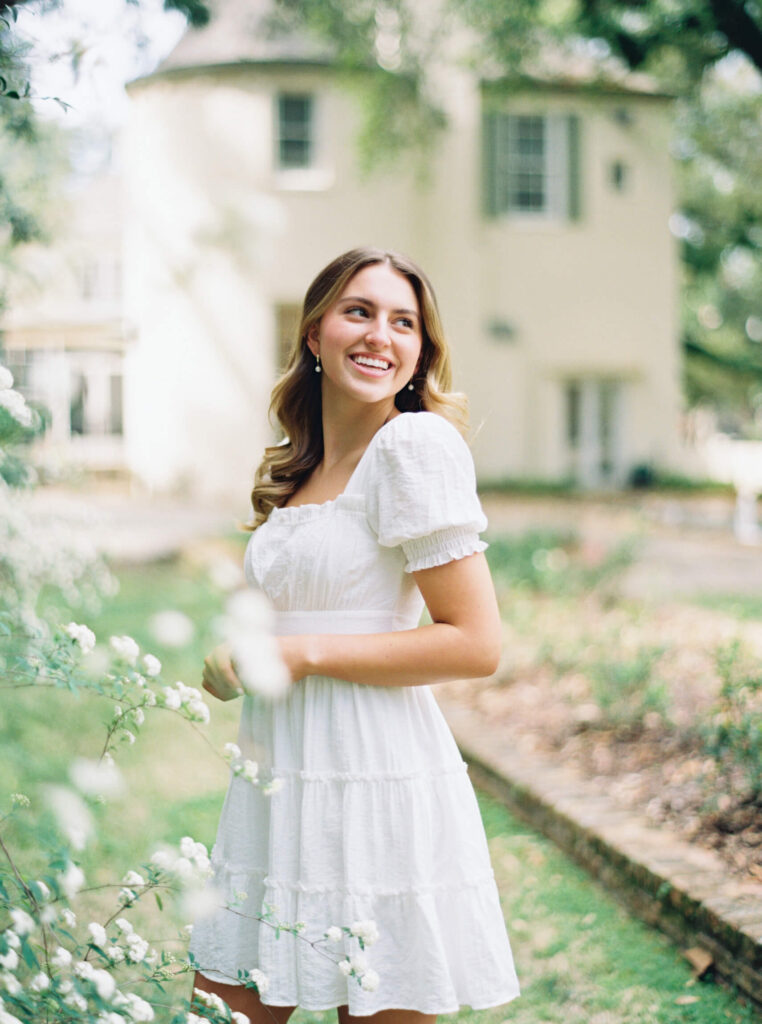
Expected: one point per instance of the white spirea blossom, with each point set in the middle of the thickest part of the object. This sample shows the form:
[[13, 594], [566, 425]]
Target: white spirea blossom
[[14, 942], [69, 918], [172, 698], [71, 881], [104, 983], [239, 1018], [82, 635], [210, 999], [172, 628], [151, 665], [71, 813], [138, 1009], [5, 1017], [6, 378], [23, 924], [273, 786], [369, 981], [84, 969], [133, 878], [260, 979], [61, 958], [248, 628], [97, 778], [232, 751], [365, 930], [97, 934], [9, 961], [43, 890], [16, 405], [359, 962], [124, 926], [345, 967], [10, 983], [249, 771], [125, 647], [334, 933]]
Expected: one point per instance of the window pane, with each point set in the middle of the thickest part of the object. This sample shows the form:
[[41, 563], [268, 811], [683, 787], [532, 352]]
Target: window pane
[[295, 130]]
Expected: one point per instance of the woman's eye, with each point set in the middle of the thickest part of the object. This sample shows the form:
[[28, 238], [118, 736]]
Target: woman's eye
[[358, 309], [406, 322]]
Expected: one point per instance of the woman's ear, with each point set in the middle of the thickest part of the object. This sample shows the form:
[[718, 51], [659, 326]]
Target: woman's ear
[[313, 339]]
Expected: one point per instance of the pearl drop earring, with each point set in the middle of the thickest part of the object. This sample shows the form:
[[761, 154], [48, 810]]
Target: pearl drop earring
[[411, 386], [318, 367]]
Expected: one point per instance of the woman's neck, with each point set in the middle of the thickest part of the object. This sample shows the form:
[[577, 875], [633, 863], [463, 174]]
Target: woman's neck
[[348, 431]]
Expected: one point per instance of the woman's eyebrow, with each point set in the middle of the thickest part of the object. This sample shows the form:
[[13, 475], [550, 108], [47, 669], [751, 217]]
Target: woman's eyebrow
[[369, 302]]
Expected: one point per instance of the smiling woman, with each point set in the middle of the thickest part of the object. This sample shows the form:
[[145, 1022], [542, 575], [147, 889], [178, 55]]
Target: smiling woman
[[367, 512]]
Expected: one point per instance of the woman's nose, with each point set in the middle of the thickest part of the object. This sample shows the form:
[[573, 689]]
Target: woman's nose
[[378, 331]]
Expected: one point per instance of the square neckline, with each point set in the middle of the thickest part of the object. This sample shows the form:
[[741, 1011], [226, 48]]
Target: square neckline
[[316, 506]]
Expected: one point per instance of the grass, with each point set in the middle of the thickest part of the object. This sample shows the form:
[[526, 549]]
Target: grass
[[581, 958]]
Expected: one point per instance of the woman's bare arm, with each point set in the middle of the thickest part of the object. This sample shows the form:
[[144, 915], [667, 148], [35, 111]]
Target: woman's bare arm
[[463, 640]]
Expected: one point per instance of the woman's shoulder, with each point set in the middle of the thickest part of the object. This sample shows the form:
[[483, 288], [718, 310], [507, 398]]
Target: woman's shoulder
[[416, 428]]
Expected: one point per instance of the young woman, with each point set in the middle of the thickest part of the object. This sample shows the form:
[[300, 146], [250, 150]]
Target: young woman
[[367, 512]]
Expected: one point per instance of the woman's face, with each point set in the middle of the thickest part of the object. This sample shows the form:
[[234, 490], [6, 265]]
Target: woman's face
[[369, 340]]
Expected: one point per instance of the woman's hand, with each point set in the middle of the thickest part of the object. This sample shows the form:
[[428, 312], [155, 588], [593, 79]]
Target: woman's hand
[[293, 652], [219, 676]]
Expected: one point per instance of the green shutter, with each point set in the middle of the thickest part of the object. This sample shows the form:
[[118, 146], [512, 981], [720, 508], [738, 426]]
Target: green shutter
[[575, 175], [490, 129]]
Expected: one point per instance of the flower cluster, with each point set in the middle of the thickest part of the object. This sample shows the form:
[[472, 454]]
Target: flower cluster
[[249, 770], [186, 699]]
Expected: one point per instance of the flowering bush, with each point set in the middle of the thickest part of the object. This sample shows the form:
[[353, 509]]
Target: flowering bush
[[60, 960]]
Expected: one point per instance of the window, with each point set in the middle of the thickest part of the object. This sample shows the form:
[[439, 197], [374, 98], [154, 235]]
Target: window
[[594, 424], [295, 143], [531, 164]]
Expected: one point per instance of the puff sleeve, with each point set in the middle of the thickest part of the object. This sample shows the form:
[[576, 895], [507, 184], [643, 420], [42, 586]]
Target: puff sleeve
[[422, 492]]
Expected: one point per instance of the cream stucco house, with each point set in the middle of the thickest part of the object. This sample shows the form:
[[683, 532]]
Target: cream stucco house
[[543, 225]]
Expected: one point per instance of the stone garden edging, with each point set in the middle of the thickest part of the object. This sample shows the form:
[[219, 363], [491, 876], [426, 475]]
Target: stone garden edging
[[685, 891]]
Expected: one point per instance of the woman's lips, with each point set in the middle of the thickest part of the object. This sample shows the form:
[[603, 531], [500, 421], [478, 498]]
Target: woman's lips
[[371, 371]]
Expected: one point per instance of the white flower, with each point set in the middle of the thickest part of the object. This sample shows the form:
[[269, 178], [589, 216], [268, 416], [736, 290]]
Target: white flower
[[369, 981], [97, 934], [72, 880], [48, 914], [273, 786], [69, 918], [137, 948], [61, 957], [365, 930], [6, 378], [193, 1018], [133, 878], [115, 954], [5, 1017], [172, 698], [71, 812], [9, 961], [253, 647], [260, 979], [43, 890], [129, 736], [65, 987], [96, 778], [210, 999], [138, 1008], [249, 770], [105, 985], [198, 711], [161, 859], [127, 896], [14, 942], [359, 962], [345, 967], [239, 1018], [334, 933], [10, 983], [77, 1001], [23, 924], [125, 647], [84, 969], [152, 665], [110, 1018], [82, 635], [124, 926], [150, 699], [172, 628], [16, 405], [232, 751], [139, 716]]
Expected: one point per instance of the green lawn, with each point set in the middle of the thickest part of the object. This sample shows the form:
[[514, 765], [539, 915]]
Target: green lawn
[[580, 957]]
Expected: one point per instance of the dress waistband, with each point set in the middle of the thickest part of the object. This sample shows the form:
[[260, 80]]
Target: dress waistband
[[337, 621]]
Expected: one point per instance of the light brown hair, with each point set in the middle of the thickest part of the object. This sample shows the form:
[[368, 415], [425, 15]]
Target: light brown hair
[[296, 398]]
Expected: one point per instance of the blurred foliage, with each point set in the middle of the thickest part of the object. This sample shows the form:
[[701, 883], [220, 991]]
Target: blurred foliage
[[626, 688], [554, 562], [732, 733]]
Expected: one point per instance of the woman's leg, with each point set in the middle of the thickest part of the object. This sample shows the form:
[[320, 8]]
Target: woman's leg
[[387, 1017], [245, 1000]]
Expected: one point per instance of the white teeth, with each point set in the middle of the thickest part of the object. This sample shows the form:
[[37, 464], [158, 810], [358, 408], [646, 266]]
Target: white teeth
[[380, 364]]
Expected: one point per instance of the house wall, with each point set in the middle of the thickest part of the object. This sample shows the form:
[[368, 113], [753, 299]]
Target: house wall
[[215, 238]]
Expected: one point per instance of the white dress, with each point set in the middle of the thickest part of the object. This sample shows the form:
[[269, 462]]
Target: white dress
[[377, 818]]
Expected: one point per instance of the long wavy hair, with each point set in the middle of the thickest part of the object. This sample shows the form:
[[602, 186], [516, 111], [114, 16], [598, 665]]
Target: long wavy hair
[[296, 401]]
